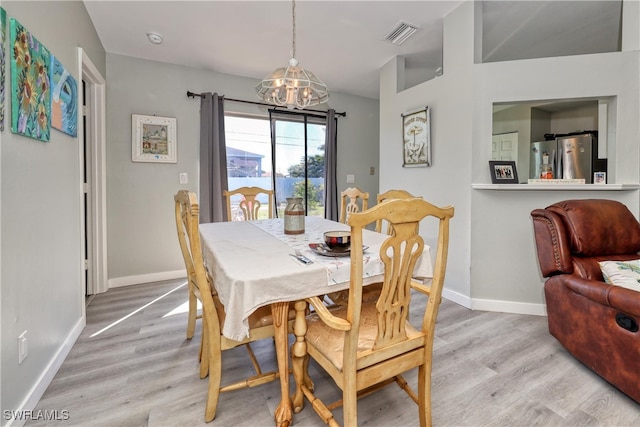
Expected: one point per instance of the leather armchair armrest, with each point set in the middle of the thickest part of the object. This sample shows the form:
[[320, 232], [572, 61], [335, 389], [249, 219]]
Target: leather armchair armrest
[[592, 289], [625, 300], [552, 245], [622, 299]]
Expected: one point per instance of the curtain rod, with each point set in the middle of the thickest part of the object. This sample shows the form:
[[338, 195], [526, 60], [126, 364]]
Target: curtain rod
[[199, 95]]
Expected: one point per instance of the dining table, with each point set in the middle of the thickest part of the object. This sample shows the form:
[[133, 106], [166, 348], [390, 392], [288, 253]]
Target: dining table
[[255, 263]]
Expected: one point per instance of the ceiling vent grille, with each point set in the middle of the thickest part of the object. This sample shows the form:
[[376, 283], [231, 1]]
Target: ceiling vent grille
[[401, 33]]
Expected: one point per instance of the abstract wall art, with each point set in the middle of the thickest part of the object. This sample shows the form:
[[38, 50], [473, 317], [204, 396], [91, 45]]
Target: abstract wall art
[[3, 37], [30, 85], [64, 99]]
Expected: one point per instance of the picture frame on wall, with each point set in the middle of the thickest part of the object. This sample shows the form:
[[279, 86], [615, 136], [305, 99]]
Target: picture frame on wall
[[503, 172], [416, 138], [153, 139]]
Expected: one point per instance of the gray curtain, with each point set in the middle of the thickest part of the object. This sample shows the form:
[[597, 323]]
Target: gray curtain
[[213, 159], [330, 162]]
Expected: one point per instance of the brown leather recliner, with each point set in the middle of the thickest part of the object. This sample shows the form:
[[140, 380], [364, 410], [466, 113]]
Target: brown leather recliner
[[596, 322]]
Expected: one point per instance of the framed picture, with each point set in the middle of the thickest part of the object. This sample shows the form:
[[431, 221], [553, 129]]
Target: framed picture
[[599, 177], [503, 172], [416, 138], [153, 139]]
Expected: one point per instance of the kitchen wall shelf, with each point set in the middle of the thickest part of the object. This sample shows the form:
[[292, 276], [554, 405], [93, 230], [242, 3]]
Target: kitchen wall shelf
[[556, 187]]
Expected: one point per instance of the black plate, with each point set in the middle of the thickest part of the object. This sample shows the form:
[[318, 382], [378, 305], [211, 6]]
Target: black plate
[[323, 249]]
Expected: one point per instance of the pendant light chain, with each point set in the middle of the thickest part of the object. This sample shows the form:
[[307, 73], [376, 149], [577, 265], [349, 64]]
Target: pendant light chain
[[293, 14]]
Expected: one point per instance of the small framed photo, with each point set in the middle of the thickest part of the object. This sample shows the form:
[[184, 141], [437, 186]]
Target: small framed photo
[[153, 139], [416, 138], [503, 172], [599, 177]]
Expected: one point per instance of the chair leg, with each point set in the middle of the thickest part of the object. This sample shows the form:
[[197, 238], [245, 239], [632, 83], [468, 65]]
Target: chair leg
[[214, 356], [424, 394], [193, 313], [350, 407], [254, 360], [205, 355]]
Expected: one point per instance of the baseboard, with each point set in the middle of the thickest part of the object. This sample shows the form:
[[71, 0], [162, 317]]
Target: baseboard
[[509, 307], [456, 297], [495, 305], [38, 389], [146, 278]]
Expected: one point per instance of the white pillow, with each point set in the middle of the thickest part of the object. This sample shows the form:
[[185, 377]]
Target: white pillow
[[625, 274]]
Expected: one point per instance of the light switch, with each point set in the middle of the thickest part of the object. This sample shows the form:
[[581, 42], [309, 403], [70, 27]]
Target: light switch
[[351, 179], [184, 178]]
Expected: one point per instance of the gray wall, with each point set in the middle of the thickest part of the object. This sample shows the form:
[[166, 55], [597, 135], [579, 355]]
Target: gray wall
[[142, 245], [40, 281], [492, 261]]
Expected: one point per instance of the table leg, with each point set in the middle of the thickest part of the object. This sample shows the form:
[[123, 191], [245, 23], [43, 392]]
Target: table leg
[[279, 312], [299, 357]]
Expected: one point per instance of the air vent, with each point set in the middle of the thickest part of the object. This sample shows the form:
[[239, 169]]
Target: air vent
[[401, 32]]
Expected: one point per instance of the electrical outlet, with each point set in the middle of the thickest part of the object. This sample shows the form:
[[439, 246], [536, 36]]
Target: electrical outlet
[[23, 350], [351, 179], [372, 170], [184, 178]]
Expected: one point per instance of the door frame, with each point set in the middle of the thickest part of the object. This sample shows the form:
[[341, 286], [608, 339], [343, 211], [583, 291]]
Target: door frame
[[96, 212]]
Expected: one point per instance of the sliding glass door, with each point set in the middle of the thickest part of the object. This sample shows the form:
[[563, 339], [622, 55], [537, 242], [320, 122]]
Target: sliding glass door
[[285, 153]]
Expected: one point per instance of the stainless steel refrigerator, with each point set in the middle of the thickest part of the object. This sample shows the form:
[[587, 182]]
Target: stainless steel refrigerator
[[572, 156]]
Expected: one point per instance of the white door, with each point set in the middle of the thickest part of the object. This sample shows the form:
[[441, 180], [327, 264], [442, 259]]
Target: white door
[[504, 146]]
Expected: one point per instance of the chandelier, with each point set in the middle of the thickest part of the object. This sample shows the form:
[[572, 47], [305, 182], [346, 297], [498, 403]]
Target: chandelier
[[292, 86]]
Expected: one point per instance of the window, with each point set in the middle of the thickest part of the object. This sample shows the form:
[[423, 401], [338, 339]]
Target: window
[[294, 162]]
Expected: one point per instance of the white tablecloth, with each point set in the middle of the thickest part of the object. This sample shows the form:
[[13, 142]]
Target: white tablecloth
[[251, 266]]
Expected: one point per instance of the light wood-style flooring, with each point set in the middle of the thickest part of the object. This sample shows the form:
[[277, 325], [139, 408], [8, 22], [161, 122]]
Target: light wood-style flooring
[[490, 369]]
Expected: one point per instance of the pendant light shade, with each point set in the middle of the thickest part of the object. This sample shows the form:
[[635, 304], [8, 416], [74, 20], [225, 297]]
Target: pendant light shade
[[292, 86]]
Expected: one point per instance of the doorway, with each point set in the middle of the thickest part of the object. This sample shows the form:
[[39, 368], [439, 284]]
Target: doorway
[[93, 178]]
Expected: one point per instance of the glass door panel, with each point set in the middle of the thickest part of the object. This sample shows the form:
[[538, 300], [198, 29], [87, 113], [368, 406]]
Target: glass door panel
[[299, 161]]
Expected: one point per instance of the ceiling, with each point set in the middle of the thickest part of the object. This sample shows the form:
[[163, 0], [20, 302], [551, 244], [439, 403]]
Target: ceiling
[[342, 42]]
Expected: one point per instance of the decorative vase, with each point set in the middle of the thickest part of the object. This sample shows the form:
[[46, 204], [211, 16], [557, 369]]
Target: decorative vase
[[294, 216]]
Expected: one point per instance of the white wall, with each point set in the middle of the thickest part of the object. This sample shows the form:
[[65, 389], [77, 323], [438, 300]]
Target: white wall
[[492, 262], [142, 244], [41, 276]]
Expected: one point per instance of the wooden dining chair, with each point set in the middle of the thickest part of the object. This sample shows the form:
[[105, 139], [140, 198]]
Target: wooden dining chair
[[249, 205], [390, 195], [353, 200], [367, 345], [201, 288], [372, 292]]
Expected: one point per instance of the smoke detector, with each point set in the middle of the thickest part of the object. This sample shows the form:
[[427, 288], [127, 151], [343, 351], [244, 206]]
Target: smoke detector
[[155, 38], [401, 32]]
